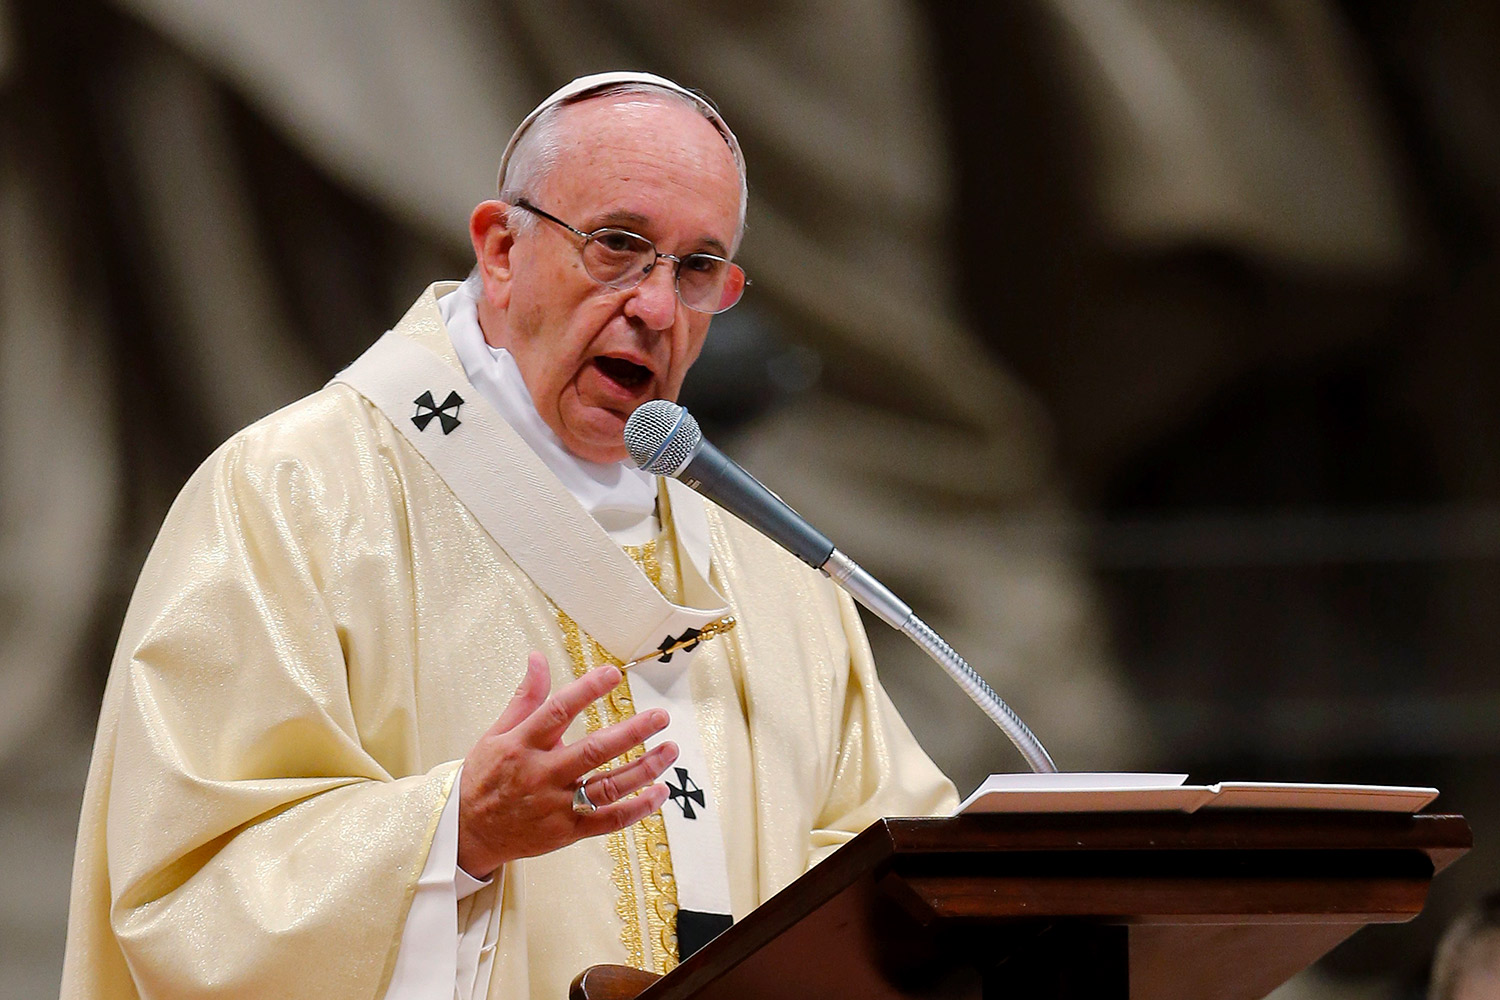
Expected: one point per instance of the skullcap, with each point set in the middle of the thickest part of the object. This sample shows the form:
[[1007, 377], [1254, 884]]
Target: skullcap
[[585, 85]]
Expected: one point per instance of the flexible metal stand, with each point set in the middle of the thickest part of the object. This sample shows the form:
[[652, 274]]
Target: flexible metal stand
[[890, 609]]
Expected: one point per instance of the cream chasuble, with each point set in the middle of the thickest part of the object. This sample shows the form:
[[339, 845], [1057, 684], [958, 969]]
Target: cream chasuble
[[320, 633]]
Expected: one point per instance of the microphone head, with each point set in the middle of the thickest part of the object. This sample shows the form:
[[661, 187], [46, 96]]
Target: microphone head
[[662, 437]]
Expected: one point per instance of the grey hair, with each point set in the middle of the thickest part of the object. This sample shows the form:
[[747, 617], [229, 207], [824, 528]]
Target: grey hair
[[537, 151]]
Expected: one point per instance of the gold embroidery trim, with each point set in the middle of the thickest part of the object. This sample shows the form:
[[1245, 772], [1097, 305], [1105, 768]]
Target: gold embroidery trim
[[614, 843], [648, 558], [625, 902], [658, 882], [661, 890], [573, 643]]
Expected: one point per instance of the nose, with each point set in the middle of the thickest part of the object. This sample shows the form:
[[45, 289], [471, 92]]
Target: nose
[[654, 300]]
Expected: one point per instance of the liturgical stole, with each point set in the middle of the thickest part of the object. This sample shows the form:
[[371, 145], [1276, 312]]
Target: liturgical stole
[[530, 515]]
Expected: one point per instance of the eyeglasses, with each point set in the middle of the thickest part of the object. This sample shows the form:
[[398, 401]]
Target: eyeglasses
[[621, 259]]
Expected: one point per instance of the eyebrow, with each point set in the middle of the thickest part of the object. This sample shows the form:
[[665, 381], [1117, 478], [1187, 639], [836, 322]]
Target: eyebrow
[[635, 222]]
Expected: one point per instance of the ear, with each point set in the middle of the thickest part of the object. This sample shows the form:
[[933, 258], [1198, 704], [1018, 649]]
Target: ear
[[490, 232]]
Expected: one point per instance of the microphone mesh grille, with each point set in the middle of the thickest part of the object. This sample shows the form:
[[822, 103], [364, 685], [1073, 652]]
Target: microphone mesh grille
[[661, 437]]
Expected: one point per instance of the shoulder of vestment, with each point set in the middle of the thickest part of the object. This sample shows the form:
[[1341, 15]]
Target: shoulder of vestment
[[322, 454]]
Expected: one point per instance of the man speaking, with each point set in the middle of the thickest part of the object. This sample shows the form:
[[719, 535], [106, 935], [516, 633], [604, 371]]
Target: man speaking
[[367, 731]]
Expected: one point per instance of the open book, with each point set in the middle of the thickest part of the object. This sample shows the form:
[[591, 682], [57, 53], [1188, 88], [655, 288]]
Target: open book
[[1092, 791]]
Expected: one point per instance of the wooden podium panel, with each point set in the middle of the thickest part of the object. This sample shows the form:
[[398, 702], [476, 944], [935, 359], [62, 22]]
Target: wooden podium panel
[[1216, 905]]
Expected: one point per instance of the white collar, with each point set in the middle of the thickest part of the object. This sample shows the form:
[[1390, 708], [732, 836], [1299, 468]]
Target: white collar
[[620, 497], [523, 507]]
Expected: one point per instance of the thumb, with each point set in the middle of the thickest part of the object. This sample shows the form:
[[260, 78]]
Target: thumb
[[534, 688]]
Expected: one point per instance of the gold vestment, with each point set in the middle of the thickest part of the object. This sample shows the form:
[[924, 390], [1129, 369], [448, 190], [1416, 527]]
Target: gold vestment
[[319, 635]]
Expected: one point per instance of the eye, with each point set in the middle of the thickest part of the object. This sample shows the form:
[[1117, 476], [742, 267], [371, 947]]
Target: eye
[[703, 263], [615, 256], [617, 241]]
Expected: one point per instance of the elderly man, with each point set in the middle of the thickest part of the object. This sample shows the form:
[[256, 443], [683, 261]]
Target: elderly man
[[367, 731]]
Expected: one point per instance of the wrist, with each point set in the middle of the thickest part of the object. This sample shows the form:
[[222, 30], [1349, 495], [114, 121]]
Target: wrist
[[473, 860]]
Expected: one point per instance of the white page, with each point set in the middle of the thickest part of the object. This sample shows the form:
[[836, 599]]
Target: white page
[[1084, 791], [1090, 791]]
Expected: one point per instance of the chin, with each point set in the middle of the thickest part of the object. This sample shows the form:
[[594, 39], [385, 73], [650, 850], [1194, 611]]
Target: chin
[[601, 449], [601, 455], [598, 437]]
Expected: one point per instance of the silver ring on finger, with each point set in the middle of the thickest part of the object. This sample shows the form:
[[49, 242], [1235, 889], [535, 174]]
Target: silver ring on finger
[[582, 804]]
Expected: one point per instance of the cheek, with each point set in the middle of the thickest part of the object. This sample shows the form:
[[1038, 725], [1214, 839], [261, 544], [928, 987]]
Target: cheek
[[692, 347], [533, 346], [531, 338]]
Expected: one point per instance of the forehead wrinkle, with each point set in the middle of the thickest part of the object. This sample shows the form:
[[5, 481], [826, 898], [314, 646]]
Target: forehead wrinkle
[[639, 107], [618, 125], [603, 143]]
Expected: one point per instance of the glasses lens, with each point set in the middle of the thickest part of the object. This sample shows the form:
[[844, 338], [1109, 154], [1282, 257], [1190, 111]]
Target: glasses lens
[[709, 284], [616, 257]]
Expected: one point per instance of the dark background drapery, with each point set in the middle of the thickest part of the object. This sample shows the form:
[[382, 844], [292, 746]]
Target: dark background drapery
[[1145, 347]]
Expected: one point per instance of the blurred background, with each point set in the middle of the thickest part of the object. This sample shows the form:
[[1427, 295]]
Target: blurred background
[[1146, 346]]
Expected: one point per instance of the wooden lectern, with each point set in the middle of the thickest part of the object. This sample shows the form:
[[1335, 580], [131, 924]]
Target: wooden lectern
[[1216, 905]]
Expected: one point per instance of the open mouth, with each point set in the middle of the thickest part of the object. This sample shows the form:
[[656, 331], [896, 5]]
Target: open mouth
[[626, 374]]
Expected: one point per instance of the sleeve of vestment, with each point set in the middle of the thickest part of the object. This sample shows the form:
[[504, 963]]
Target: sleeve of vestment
[[438, 952], [880, 769], [266, 822]]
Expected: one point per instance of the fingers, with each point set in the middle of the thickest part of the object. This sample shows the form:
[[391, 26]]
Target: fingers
[[608, 819], [612, 786], [535, 684], [518, 780], [599, 748], [543, 728]]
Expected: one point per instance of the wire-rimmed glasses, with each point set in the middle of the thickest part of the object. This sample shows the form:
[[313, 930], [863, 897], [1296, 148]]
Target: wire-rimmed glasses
[[621, 259]]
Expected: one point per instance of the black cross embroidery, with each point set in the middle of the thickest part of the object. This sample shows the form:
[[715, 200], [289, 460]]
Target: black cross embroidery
[[427, 409], [671, 641], [688, 793]]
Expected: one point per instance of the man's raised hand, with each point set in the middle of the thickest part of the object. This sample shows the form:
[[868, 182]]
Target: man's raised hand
[[516, 790]]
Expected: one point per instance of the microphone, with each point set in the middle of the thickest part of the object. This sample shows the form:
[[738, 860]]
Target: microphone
[[665, 440]]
